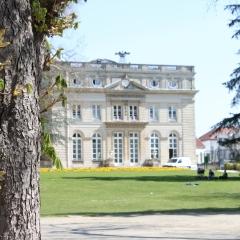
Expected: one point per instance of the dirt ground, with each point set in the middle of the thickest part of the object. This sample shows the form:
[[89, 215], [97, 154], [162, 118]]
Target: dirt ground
[[159, 226]]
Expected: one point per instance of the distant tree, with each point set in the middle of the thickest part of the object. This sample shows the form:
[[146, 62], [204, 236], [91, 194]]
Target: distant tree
[[233, 84], [24, 26]]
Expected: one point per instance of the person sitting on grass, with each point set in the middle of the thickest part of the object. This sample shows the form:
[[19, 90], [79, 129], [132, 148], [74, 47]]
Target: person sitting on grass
[[211, 174], [224, 176]]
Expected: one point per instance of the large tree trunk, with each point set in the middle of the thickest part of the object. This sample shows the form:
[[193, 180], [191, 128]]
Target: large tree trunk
[[20, 130]]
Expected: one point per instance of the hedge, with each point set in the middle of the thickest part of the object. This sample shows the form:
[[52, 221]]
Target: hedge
[[232, 166]]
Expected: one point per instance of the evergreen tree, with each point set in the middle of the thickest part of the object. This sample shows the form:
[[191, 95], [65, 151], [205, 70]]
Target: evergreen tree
[[233, 122]]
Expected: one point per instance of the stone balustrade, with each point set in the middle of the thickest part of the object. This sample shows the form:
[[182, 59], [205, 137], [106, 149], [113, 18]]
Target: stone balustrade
[[132, 67]]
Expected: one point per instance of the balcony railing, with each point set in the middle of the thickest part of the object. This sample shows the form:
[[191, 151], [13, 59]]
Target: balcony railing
[[133, 67]]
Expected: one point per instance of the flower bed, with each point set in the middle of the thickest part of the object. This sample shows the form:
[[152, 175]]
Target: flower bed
[[110, 169]]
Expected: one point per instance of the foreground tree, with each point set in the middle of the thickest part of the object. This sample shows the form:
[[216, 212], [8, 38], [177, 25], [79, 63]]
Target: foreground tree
[[24, 25], [233, 84]]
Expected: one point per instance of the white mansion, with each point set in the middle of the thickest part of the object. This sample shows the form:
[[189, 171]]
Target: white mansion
[[128, 113]]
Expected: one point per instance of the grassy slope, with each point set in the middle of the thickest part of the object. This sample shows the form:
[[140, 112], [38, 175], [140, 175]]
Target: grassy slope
[[93, 193]]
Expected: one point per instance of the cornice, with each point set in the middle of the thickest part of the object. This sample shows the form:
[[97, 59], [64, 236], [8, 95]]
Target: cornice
[[124, 95], [126, 124]]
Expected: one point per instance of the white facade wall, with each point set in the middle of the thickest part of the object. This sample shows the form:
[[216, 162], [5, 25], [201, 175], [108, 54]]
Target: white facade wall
[[200, 152], [121, 85]]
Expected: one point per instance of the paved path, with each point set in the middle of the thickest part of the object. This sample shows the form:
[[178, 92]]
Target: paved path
[[160, 226]]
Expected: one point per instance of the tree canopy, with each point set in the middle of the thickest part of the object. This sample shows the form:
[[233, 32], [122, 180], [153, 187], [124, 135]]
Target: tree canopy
[[233, 84]]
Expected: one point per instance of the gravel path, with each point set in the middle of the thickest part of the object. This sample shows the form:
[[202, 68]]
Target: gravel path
[[158, 226]]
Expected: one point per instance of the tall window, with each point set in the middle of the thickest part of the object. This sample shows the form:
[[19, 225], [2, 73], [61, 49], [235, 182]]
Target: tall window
[[117, 112], [172, 113], [173, 148], [77, 146], [76, 112], [118, 148], [133, 113], [153, 112], [154, 147], [97, 146], [96, 112], [133, 147]]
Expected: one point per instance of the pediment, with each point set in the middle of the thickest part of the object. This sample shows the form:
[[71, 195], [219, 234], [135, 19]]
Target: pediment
[[126, 84]]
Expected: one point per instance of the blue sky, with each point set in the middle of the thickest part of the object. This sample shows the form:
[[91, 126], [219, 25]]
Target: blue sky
[[185, 32]]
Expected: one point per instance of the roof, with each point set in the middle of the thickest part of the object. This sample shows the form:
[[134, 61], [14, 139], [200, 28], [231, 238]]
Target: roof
[[199, 144], [213, 136]]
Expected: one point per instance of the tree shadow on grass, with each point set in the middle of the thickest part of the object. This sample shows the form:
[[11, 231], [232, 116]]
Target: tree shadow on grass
[[182, 211], [175, 178]]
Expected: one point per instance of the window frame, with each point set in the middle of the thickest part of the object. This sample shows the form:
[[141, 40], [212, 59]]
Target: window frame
[[134, 151], [116, 110], [77, 146], [153, 83], [133, 113], [76, 82], [155, 137], [97, 82], [76, 111], [96, 112], [172, 84], [154, 114], [172, 113], [118, 148], [173, 139], [97, 155]]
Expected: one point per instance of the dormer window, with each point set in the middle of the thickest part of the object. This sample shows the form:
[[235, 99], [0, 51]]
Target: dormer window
[[172, 84], [96, 82], [153, 83], [76, 82]]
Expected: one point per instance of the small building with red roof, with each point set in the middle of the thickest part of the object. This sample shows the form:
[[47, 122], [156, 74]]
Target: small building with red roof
[[212, 148]]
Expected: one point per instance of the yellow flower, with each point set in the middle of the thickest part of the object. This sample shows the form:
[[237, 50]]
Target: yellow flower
[[110, 169]]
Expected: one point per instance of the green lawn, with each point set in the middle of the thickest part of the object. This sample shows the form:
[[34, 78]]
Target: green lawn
[[98, 193]]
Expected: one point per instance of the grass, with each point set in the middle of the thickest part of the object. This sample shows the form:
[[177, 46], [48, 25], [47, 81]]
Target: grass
[[100, 193]]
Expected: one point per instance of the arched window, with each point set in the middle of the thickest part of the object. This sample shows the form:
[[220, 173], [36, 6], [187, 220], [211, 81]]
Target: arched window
[[77, 146], [97, 146], [154, 145], [173, 145]]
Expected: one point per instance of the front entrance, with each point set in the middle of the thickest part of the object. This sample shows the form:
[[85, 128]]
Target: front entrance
[[134, 148]]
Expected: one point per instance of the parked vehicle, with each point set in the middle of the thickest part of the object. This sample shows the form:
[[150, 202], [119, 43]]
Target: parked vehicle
[[181, 162]]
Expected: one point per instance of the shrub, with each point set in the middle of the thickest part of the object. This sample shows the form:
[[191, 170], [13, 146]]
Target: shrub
[[230, 166], [238, 166]]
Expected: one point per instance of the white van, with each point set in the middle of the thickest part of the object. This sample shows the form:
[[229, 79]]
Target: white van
[[181, 162]]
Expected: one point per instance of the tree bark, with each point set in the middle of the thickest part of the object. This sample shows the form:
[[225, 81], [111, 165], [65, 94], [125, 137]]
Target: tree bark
[[20, 130]]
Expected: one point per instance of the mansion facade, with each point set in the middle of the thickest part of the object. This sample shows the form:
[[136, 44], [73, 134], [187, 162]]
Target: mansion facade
[[127, 114]]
